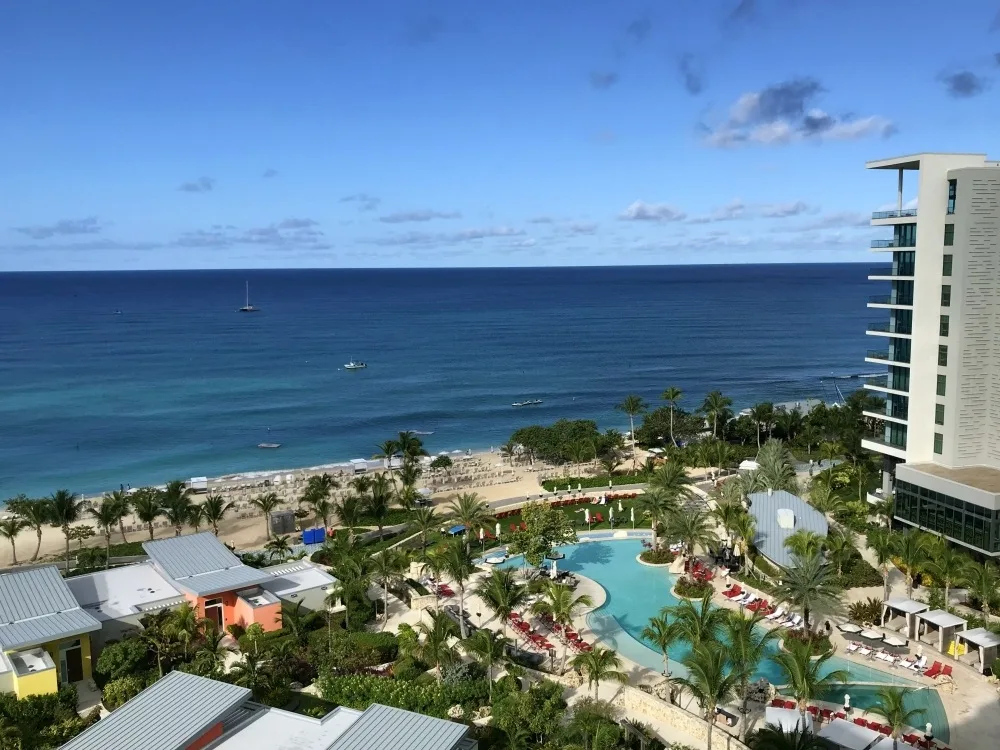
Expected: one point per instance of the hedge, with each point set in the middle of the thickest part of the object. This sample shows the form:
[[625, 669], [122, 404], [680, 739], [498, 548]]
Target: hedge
[[559, 485], [857, 573], [361, 691], [661, 556], [691, 589]]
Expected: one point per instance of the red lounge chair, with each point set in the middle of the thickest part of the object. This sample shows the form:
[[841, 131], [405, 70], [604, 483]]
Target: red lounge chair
[[778, 703], [912, 739], [515, 616], [827, 714], [840, 715], [873, 725], [934, 671], [733, 592], [789, 704], [946, 671], [813, 710], [884, 729], [861, 722]]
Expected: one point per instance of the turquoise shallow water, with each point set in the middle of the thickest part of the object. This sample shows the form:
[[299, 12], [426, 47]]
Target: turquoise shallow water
[[636, 593]]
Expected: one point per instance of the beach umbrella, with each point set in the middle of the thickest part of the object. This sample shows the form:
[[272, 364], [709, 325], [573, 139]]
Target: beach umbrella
[[847, 702], [586, 516], [482, 533], [849, 627], [871, 635], [498, 529], [619, 505], [579, 487], [554, 571], [611, 513], [631, 512]]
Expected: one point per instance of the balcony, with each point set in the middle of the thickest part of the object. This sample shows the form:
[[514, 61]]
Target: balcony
[[890, 300], [889, 271], [890, 327], [886, 356], [892, 244], [882, 354], [880, 445], [882, 384], [896, 213]]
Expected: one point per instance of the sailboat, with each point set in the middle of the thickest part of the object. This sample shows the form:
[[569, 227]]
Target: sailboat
[[248, 307]]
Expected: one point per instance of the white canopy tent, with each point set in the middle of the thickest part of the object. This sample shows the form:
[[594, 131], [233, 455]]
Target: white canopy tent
[[847, 735], [985, 642], [908, 609], [946, 625], [749, 465]]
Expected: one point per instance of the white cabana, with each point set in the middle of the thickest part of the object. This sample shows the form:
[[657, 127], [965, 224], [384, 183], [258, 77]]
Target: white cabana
[[886, 743], [984, 641], [847, 735], [945, 624], [789, 719], [749, 465], [359, 465], [905, 609]]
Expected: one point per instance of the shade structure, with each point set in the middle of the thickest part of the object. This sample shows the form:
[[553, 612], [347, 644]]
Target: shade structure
[[945, 624], [908, 609], [848, 735], [789, 719], [457, 529], [895, 640], [871, 635], [849, 627], [983, 642]]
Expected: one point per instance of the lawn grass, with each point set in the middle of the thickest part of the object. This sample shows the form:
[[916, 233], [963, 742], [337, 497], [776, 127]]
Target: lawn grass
[[576, 515]]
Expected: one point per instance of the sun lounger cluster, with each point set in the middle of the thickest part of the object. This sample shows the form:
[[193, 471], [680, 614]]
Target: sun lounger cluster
[[440, 589], [700, 572], [566, 636]]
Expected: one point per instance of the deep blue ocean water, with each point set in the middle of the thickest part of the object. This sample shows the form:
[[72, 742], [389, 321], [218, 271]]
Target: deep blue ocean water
[[180, 384]]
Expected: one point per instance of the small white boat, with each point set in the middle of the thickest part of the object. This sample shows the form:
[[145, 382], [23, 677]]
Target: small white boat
[[268, 445], [352, 365], [248, 307], [529, 402]]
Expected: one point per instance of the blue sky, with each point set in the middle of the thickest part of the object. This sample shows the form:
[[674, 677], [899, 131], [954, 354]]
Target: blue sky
[[308, 134]]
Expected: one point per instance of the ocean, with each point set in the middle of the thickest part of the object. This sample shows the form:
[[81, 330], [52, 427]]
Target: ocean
[[180, 384]]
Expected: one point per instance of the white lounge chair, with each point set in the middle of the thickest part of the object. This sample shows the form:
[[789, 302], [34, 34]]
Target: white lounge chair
[[743, 598], [864, 651], [749, 600], [852, 647], [776, 615], [792, 623], [920, 664]]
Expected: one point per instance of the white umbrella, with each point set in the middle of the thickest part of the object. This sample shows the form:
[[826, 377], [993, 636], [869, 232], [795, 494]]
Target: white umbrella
[[586, 516], [482, 534], [849, 627], [498, 529], [894, 640], [631, 512], [619, 505], [554, 571], [611, 513], [870, 634], [579, 487]]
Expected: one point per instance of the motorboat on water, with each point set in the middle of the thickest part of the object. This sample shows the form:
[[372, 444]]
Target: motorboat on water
[[352, 365], [529, 402]]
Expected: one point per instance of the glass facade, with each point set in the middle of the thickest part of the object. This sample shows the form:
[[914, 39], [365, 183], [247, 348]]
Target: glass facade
[[962, 521], [946, 295], [905, 235], [945, 324], [949, 235], [903, 263], [942, 384], [899, 378], [952, 191], [938, 413], [946, 265], [942, 355], [895, 434], [938, 443], [902, 293]]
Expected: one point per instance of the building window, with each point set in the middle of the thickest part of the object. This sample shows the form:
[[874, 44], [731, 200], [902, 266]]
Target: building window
[[946, 265], [943, 355], [938, 443], [946, 295], [939, 414], [949, 235], [944, 325], [942, 380], [952, 190]]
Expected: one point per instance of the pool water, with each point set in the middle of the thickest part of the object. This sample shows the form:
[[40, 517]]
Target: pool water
[[923, 699], [636, 593]]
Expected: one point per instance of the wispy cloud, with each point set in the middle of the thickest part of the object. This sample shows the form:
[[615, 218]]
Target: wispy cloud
[[691, 76], [835, 220], [737, 210], [404, 217], [201, 185], [742, 13], [603, 80], [963, 84], [639, 29], [542, 220], [660, 212], [289, 233], [432, 239], [297, 224], [61, 228], [783, 113], [580, 228], [364, 201], [784, 210], [269, 173]]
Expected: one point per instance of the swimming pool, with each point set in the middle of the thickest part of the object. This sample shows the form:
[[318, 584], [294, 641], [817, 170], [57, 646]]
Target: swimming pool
[[636, 593]]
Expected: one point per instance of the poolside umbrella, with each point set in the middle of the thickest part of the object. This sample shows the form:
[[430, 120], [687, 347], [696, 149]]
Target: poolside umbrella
[[619, 505], [498, 529], [586, 516], [631, 512], [495, 560], [482, 533], [611, 515], [871, 635], [849, 627], [553, 556], [895, 643]]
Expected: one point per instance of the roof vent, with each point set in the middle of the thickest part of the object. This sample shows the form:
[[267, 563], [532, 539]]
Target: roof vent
[[786, 518]]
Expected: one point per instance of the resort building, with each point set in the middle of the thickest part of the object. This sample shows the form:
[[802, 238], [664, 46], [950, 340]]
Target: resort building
[[940, 344], [44, 633], [778, 515], [187, 712]]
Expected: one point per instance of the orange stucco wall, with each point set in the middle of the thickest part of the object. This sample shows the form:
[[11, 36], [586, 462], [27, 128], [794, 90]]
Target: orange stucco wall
[[212, 734], [235, 610]]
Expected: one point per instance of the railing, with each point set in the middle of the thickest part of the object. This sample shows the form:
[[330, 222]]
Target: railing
[[878, 354], [885, 270], [895, 242], [889, 299], [899, 213], [879, 381], [880, 440], [887, 326], [899, 412]]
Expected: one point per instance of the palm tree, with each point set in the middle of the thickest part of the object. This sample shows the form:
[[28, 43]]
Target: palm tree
[[213, 511], [693, 528], [762, 415], [471, 512], [278, 547], [106, 516], [436, 648], [378, 503], [184, 625], [249, 672], [148, 507], [805, 543], [672, 396], [821, 497], [913, 549], [663, 634], [36, 515], [728, 514], [806, 675], [633, 406], [715, 406], [697, 623], [319, 487], [710, 680], [745, 532], [177, 505], [600, 664], [948, 565], [196, 517], [890, 704], [65, 509], [501, 594], [773, 737], [840, 547], [387, 569], [424, 521], [213, 649], [123, 506], [829, 450], [748, 645], [410, 445], [658, 506], [673, 480], [9, 529], [559, 603], [266, 503], [808, 584], [509, 451], [10, 736], [349, 511], [488, 648], [776, 470], [388, 450], [983, 581]]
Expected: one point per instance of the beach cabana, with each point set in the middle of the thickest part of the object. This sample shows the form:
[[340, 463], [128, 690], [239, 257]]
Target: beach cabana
[[847, 735], [903, 609], [789, 719], [456, 530], [359, 465], [982, 640], [945, 624]]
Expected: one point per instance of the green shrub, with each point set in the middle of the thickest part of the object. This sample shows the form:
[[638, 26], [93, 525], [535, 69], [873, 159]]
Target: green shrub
[[452, 674], [122, 658], [360, 691], [857, 573], [692, 589], [385, 644], [764, 566], [866, 612], [408, 669], [123, 689], [660, 556]]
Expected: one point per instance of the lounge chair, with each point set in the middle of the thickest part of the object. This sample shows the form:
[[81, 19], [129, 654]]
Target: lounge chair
[[920, 664], [776, 615], [945, 671], [790, 704], [735, 591], [934, 671], [906, 663], [826, 713], [792, 623], [864, 651], [852, 647], [861, 722], [751, 598], [778, 703]]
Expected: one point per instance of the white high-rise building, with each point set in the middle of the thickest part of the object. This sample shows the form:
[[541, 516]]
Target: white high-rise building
[[941, 345]]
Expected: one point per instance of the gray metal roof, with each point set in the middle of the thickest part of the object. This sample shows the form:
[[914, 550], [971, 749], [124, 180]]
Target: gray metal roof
[[36, 606], [386, 728], [980, 637], [908, 606], [941, 618], [169, 715], [201, 564], [770, 538]]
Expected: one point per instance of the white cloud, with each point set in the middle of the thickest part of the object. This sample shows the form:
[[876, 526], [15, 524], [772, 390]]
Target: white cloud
[[642, 211]]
